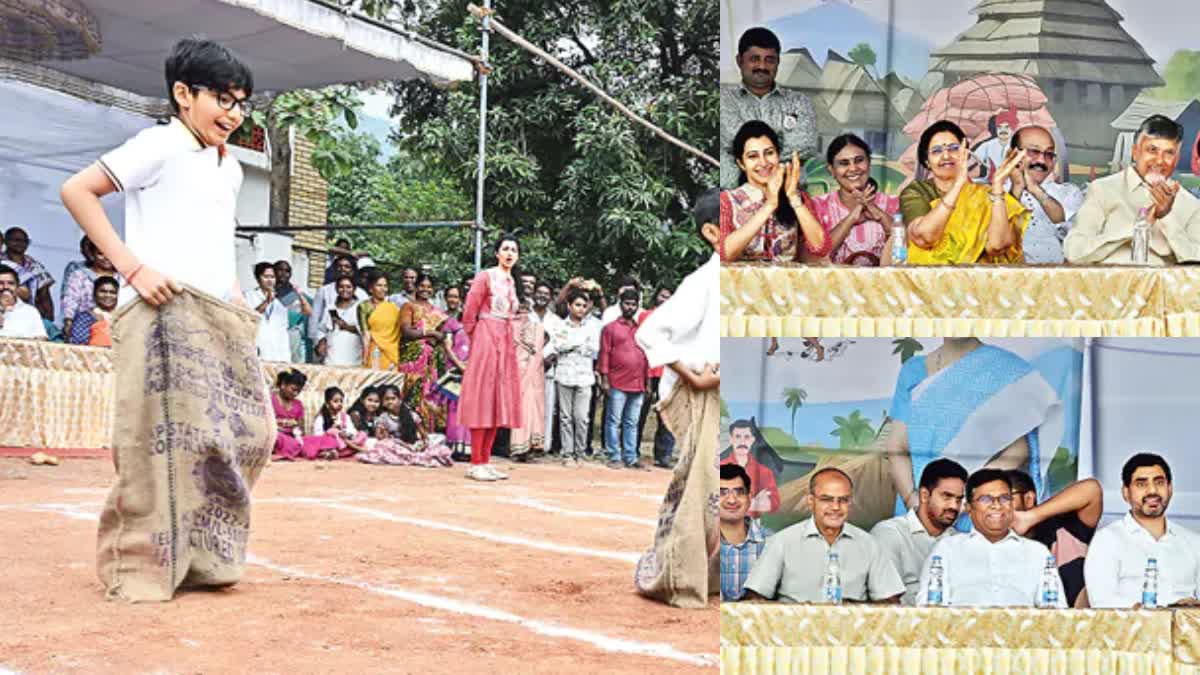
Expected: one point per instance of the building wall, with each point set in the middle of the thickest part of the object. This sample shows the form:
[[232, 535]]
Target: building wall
[[308, 205]]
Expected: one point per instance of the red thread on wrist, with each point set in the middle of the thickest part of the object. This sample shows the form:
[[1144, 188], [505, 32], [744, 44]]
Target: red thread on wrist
[[134, 273]]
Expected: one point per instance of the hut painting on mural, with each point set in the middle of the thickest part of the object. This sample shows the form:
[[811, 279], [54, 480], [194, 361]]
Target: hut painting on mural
[[1074, 66]]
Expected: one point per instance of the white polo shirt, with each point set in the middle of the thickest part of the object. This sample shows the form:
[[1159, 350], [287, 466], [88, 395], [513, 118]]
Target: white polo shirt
[[982, 574], [1115, 567], [180, 207], [906, 542]]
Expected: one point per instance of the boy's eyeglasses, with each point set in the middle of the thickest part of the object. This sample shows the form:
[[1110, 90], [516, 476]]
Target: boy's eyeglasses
[[227, 100], [737, 492]]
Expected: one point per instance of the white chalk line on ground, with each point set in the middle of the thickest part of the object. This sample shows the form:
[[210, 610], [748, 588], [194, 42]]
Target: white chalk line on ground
[[620, 556], [527, 502], [598, 640]]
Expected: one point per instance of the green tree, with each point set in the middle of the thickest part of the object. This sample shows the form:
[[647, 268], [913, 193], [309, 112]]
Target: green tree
[[864, 55], [794, 398], [853, 432], [907, 348], [589, 191], [1182, 76]]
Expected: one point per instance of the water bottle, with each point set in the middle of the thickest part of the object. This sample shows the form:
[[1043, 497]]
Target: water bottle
[[1150, 585], [937, 582], [831, 586], [899, 240], [1047, 597], [1141, 238]]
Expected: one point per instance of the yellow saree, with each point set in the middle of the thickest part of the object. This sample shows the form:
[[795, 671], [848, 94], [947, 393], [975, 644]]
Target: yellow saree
[[380, 327], [964, 241]]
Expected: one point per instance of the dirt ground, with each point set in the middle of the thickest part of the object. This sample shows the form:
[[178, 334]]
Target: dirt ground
[[361, 569]]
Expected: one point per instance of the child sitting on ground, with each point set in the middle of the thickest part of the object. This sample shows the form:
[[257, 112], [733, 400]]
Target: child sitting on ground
[[334, 435]]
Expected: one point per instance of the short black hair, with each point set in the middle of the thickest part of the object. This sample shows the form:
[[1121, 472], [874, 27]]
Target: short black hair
[[1141, 461], [8, 271], [933, 130], [104, 281], [1021, 481], [575, 294], [353, 261], [261, 268], [629, 294], [283, 263], [838, 144], [741, 424], [985, 476], [628, 280], [1160, 126], [707, 210], [543, 284], [812, 481], [731, 471], [939, 470], [195, 61], [343, 243], [758, 37]]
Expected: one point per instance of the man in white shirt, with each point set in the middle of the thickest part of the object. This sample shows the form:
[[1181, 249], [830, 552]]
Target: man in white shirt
[[544, 314], [907, 540], [1116, 563], [343, 266], [990, 566], [1051, 204], [1103, 229], [17, 319], [792, 567]]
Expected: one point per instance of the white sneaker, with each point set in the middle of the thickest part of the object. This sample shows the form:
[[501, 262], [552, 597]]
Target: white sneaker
[[496, 473], [480, 473]]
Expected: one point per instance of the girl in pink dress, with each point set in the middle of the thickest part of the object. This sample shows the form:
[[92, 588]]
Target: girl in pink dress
[[491, 387], [334, 435], [289, 415], [857, 217]]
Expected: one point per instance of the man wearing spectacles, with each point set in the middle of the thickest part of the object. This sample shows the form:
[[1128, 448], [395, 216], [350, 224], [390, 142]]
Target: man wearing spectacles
[[742, 537], [990, 566], [908, 539], [1052, 204], [793, 564]]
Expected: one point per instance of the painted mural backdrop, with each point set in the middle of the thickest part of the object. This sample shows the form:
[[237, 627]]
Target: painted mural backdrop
[[813, 403], [1089, 70]]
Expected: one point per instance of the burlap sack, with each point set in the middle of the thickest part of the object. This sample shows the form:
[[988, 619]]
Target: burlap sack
[[678, 569], [194, 428]]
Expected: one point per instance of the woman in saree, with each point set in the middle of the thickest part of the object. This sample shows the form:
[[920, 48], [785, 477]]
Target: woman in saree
[[976, 404], [421, 358], [857, 216], [952, 221], [531, 339], [767, 217], [491, 388], [379, 324]]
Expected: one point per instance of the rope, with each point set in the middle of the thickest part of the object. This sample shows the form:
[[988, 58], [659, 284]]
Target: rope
[[500, 28]]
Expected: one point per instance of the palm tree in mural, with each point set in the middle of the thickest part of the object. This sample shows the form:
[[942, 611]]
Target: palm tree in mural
[[907, 348], [854, 431], [793, 398]]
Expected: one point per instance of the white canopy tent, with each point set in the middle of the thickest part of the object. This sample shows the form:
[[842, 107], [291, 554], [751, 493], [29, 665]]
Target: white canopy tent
[[46, 134]]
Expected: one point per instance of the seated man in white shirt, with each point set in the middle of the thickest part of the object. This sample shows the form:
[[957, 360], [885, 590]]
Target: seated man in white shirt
[[1103, 229], [990, 566], [1115, 569], [907, 540], [792, 566], [17, 319], [1051, 204]]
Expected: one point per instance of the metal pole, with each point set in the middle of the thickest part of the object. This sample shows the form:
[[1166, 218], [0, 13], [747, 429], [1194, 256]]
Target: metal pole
[[485, 32]]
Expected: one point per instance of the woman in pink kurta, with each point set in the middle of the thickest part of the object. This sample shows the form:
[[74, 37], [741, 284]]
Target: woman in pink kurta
[[491, 387], [856, 217]]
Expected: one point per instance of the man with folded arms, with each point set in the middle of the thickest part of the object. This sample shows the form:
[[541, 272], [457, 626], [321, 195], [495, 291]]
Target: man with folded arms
[[1103, 230], [1115, 569], [792, 566], [907, 540], [990, 566]]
